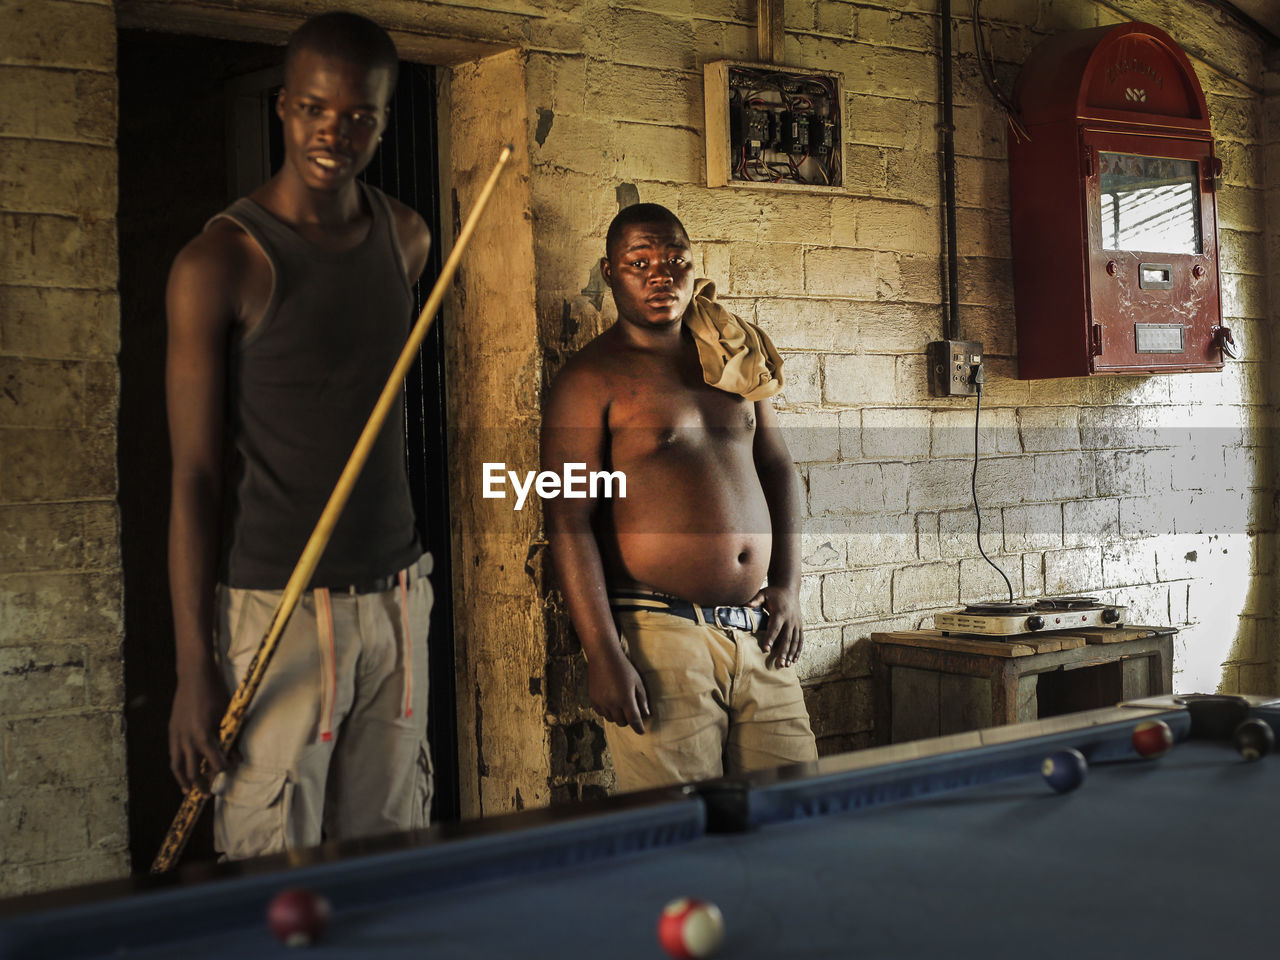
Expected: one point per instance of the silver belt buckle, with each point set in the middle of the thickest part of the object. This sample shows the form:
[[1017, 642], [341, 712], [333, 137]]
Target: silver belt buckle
[[740, 619]]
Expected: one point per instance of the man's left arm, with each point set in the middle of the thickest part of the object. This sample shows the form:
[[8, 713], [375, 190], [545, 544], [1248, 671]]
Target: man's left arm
[[777, 473]]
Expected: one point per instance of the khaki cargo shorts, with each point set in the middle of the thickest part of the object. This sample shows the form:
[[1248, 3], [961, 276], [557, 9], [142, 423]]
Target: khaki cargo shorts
[[716, 706], [335, 742]]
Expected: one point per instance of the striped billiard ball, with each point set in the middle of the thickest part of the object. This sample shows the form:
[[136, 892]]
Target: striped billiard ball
[[690, 929], [1254, 739]]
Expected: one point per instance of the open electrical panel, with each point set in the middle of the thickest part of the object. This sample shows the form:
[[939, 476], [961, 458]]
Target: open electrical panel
[[773, 126]]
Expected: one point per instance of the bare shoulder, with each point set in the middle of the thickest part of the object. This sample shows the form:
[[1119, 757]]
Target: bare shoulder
[[414, 236], [586, 378], [597, 361], [215, 262], [409, 222], [405, 214]]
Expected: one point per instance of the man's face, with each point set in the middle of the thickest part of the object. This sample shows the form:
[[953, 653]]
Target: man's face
[[650, 273], [333, 113]]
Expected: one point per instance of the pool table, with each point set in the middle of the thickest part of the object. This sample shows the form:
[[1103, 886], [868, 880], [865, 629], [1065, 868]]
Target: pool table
[[946, 847]]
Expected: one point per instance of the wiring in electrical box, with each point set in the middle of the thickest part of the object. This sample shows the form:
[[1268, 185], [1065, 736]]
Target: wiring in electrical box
[[783, 126]]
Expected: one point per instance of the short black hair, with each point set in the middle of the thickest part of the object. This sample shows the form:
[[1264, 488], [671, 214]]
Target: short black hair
[[346, 36], [639, 213]]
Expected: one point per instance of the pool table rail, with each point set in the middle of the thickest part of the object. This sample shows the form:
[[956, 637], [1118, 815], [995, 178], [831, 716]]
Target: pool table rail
[[919, 768], [144, 911]]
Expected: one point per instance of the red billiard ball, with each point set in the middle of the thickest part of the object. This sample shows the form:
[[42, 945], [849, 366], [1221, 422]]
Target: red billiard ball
[[689, 929], [1254, 739], [1152, 738], [298, 916]]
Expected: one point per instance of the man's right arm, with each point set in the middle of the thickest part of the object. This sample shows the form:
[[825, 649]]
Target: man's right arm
[[574, 431], [200, 304]]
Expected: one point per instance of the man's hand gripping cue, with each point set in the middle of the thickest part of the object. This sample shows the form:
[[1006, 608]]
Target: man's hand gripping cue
[[198, 706]]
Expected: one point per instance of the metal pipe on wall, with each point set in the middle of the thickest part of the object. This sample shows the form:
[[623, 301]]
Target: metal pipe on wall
[[947, 126]]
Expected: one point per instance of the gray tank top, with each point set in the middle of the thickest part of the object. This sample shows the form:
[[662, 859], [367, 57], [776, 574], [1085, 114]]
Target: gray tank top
[[301, 386]]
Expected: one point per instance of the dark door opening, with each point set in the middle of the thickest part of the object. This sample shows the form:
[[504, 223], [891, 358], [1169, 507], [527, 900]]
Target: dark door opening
[[197, 129]]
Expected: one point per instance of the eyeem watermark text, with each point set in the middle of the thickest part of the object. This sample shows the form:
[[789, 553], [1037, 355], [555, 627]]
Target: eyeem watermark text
[[574, 484]]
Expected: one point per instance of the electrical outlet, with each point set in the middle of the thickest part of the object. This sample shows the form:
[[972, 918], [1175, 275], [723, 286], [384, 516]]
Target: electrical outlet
[[952, 364]]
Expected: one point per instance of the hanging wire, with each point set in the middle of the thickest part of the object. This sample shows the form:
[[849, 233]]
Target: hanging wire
[[973, 485], [986, 65]]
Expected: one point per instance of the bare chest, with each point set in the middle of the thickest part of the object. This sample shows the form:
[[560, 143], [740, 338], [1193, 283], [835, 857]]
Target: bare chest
[[656, 409]]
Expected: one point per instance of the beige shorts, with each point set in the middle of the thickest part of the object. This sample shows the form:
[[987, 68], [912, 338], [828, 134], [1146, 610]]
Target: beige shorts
[[334, 745], [716, 706]]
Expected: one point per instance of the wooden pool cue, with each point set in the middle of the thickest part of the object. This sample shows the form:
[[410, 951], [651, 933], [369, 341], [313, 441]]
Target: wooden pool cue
[[233, 719]]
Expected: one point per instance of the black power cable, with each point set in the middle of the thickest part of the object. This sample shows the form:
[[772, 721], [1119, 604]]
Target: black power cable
[[979, 377]]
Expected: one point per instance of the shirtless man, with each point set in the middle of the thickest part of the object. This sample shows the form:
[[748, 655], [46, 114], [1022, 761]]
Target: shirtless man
[[690, 659], [285, 316]]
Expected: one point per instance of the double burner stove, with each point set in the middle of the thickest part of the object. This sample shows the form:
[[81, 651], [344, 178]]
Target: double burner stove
[[1032, 616]]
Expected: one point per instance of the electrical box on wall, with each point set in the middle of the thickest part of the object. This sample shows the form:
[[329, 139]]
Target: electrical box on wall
[[1115, 245], [772, 126], [953, 367]]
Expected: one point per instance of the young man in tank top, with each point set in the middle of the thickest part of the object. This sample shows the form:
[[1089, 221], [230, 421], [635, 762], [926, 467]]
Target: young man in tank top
[[690, 657], [285, 317]]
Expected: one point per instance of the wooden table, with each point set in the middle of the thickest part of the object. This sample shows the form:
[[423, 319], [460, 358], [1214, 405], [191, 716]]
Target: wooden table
[[927, 684]]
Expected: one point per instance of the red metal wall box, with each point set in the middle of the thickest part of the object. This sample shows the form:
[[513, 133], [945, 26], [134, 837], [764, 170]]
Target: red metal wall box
[[1115, 239]]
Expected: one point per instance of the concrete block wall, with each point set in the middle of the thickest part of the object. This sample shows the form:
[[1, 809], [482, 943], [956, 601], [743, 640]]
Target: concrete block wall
[[1270, 226], [1150, 491], [62, 764]]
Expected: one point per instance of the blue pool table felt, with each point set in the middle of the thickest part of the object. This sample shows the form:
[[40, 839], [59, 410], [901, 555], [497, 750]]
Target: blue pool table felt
[[1167, 857]]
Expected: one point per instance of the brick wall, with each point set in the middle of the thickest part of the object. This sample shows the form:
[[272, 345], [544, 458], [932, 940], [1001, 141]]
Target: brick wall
[[1150, 491], [62, 789], [1267, 657], [1147, 491]]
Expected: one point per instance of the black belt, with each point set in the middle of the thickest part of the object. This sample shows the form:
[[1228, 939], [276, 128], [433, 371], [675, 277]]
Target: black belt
[[733, 617], [374, 584], [420, 567]]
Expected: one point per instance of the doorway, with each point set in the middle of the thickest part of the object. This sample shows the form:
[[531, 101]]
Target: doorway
[[197, 128]]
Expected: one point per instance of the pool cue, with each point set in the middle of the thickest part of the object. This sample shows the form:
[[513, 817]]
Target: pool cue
[[233, 719]]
